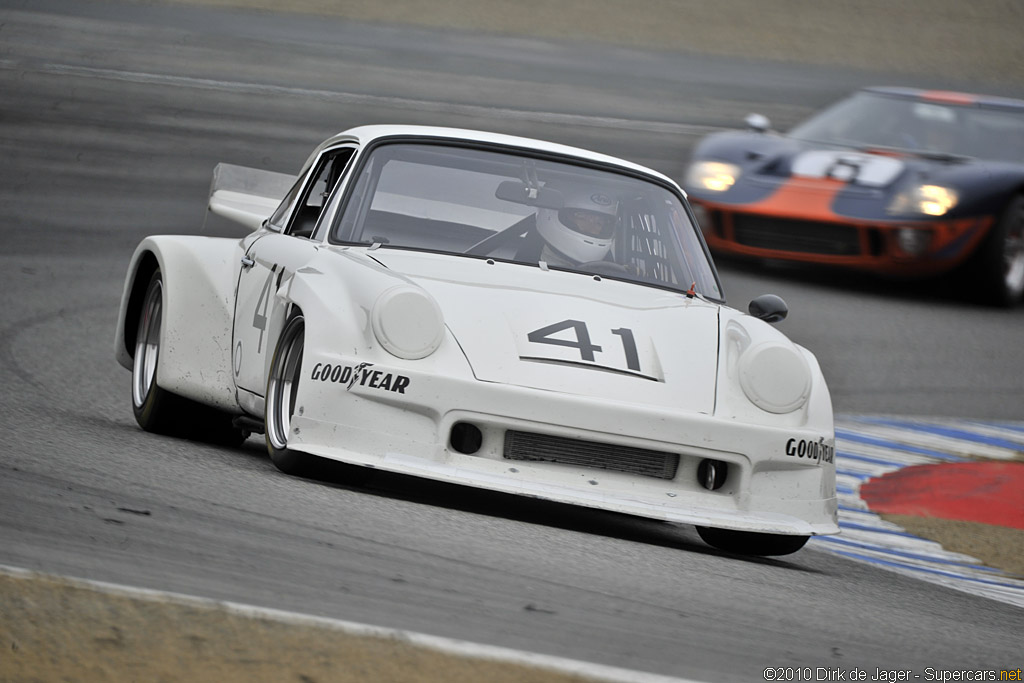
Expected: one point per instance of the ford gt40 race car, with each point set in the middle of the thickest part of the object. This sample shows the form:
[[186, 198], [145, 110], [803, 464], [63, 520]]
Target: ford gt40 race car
[[489, 311], [892, 180]]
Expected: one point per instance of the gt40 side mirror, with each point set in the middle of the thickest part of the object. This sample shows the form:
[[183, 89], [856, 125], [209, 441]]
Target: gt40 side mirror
[[769, 308], [758, 123]]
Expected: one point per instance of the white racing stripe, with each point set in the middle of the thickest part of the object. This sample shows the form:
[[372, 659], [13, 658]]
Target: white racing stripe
[[443, 646], [868, 447]]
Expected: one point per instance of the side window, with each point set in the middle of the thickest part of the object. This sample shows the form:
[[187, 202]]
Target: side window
[[323, 179], [281, 214]]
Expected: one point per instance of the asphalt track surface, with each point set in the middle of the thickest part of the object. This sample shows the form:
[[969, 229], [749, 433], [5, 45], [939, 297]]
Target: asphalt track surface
[[111, 121]]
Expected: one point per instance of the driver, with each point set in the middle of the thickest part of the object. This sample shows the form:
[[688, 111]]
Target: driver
[[582, 231]]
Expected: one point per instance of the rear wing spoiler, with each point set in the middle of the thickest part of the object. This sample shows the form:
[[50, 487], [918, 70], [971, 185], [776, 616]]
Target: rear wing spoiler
[[247, 195]]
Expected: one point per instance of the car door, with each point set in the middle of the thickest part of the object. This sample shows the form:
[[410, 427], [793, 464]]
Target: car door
[[268, 261], [276, 251]]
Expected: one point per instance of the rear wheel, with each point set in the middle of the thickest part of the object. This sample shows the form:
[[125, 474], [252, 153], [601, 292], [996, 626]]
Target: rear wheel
[[160, 411], [751, 543], [156, 410], [282, 391], [1000, 258]]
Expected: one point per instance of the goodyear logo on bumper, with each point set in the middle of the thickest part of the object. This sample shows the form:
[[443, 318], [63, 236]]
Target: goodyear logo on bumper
[[818, 451], [363, 375]]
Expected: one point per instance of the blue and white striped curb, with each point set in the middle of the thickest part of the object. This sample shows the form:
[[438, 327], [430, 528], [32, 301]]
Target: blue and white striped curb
[[868, 447]]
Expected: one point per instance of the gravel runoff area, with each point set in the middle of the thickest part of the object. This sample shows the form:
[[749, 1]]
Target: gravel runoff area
[[997, 546], [53, 629]]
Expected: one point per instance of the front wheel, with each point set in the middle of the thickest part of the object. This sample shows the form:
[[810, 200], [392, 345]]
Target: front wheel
[[282, 390], [1000, 258], [750, 542]]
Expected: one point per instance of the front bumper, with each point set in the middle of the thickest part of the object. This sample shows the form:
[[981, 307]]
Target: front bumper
[[769, 487], [870, 245]]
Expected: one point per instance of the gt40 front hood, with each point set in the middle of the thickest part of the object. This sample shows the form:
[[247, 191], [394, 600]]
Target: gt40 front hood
[[572, 333]]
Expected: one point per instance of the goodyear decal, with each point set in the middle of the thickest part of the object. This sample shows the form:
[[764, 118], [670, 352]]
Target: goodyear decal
[[818, 451], [362, 375]]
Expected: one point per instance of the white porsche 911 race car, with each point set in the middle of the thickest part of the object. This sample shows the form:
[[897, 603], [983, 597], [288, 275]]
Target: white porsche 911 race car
[[490, 311]]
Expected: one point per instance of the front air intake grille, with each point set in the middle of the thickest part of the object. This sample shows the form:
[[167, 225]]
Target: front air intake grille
[[558, 449], [801, 236]]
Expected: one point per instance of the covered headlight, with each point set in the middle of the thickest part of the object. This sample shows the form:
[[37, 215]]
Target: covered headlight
[[775, 377], [715, 176], [928, 200], [407, 322]]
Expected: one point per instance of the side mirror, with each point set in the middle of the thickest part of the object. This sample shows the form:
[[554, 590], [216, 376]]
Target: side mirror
[[758, 123], [769, 308]]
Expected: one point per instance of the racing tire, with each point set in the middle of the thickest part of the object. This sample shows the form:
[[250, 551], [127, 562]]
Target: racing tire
[[282, 389], [158, 410], [750, 542], [999, 261]]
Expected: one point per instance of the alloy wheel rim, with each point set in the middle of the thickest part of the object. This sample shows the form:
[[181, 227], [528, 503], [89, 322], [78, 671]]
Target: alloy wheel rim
[[147, 345], [284, 387]]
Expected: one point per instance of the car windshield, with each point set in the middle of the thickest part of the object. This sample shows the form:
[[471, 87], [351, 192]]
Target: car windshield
[[481, 203], [875, 120]]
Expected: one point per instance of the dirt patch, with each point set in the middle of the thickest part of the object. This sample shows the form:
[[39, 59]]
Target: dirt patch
[[58, 630], [996, 546]]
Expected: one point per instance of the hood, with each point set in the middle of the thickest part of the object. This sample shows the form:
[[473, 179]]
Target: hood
[[569, 333]]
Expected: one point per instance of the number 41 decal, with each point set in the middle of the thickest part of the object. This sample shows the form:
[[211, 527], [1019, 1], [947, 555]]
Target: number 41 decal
[[583, 343]]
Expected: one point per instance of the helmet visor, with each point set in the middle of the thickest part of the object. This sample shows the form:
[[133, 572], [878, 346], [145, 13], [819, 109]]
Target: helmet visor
[[589, 223]]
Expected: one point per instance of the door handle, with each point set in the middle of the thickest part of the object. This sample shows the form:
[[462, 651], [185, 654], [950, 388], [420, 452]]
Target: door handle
[[247, 263]]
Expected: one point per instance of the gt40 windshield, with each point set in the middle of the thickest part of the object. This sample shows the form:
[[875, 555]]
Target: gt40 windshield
[[506, 206], [936, 128]]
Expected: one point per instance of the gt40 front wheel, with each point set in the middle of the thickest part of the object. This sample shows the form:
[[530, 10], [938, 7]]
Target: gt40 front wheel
[[999, 262]]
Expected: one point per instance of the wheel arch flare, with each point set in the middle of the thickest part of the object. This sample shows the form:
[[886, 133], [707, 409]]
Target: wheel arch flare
[[198, 285]]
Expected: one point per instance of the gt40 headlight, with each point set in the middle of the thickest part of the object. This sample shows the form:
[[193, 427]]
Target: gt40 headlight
[[928, 200], [775, 377], [407, 322], [715, 176]]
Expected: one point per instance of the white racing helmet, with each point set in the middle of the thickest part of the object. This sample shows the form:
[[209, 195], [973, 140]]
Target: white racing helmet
[[584, 228]]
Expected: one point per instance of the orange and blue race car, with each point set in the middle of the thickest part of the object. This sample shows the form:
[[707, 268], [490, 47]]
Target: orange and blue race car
[[897, 181]]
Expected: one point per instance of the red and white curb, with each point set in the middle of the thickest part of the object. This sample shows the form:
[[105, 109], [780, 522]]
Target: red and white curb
[[868, 447]]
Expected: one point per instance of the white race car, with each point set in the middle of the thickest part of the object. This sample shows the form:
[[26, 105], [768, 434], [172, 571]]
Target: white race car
[[491, 311]]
